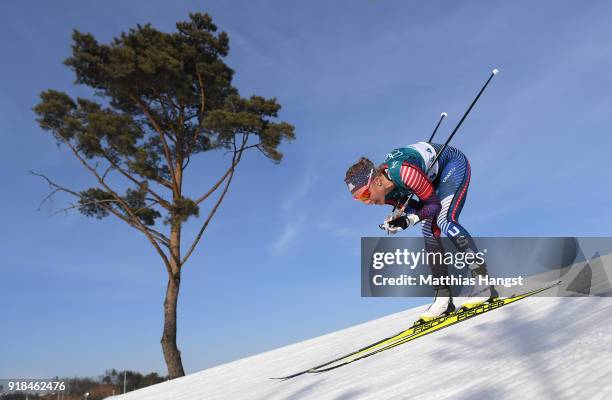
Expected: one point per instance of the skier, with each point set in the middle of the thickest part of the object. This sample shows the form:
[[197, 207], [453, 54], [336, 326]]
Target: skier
[[441, 195]]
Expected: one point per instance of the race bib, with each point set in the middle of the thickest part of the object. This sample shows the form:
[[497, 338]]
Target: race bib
[[428, 153]]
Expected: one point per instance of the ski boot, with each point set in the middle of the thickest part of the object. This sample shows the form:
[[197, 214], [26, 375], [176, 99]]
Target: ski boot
[[479, 294], [442, 305]]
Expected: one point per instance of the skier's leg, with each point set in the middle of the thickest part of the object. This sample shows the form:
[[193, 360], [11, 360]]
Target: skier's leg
[[443, 301], [455, 180], [452, 190], [433, 244]]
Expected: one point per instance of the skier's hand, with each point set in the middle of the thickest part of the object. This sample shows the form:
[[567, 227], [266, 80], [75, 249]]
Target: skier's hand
[[397, 213], [394, 224]]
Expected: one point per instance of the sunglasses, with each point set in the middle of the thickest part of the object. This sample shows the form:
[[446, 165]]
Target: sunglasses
[[364, 193]]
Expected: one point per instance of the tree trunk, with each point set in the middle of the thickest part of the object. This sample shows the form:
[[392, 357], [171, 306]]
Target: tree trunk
[[172, 354]]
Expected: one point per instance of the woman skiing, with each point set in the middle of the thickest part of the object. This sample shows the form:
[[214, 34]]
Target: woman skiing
[[441, 190]]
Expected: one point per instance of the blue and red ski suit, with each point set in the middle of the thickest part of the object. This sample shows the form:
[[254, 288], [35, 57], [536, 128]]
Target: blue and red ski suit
[[441, 192]]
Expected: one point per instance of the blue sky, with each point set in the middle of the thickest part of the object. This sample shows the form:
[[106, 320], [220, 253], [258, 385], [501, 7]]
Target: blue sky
[[280, 263]]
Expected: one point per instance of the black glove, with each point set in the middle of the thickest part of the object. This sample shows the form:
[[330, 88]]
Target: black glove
[[399, 222]]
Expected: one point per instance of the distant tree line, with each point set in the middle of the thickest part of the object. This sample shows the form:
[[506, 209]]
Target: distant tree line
[[133, 380]]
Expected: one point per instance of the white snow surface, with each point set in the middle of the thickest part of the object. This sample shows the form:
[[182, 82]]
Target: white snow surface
[[538, 348]]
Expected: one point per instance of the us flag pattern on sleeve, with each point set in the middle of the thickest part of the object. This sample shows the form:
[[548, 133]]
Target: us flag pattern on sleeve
[[416, 181]]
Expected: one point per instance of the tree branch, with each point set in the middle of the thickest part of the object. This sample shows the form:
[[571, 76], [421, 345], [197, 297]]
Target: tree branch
[[162, 137], [219, 182], [127, 208], [198, 129], [58, 188], [160, 199], [235, 161]]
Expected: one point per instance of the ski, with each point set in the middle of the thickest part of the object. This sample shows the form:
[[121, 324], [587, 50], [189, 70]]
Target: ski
[[417, 331], [362, 350]]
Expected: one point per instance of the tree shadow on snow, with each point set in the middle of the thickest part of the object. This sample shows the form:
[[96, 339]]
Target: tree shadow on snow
[[351, 394], [480, 394], [517, 337]]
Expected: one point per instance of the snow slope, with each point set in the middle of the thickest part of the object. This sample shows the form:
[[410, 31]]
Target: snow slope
[[538, 348]]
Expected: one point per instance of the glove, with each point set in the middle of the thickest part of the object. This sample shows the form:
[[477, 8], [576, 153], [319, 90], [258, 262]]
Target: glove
[[394, 224]]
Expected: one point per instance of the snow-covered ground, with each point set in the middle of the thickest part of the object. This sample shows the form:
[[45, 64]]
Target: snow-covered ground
[[538, 348]]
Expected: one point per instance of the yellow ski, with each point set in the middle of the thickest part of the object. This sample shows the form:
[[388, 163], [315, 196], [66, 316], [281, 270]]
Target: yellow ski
[[434, 326], [419, 329]]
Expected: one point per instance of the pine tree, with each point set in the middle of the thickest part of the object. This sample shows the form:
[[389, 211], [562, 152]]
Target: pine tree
[[164, 98]]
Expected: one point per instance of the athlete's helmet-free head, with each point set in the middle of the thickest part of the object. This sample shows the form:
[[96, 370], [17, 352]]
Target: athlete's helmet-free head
[[359, 177]]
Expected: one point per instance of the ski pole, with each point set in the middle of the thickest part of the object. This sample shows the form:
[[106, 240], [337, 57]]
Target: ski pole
[[493, 73], [442, 116]]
